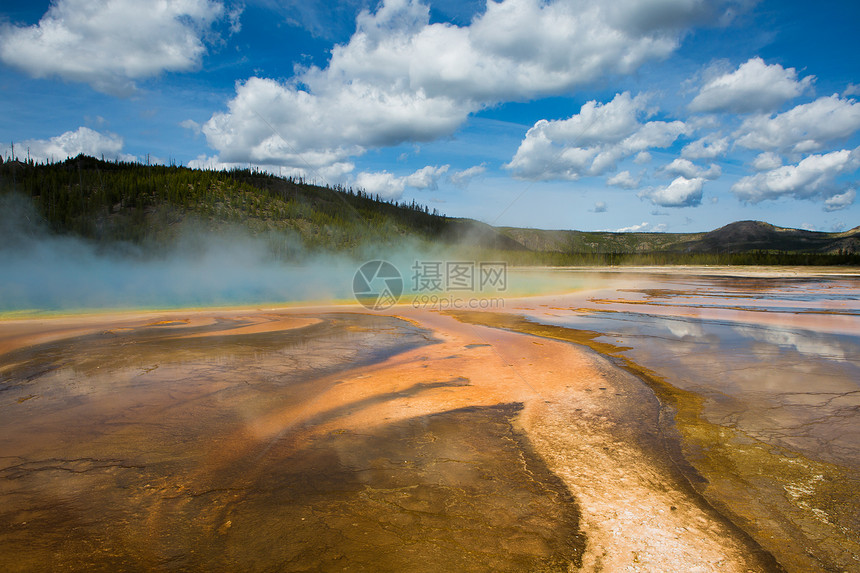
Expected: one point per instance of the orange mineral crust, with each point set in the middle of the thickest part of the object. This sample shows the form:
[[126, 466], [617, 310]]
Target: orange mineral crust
[[337, 439]]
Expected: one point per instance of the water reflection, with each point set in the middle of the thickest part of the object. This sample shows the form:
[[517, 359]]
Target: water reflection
[[811, 344], [790, 386], [771, 370]]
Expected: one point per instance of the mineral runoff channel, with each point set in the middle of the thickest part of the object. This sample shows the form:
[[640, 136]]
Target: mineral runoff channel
[[644, 421]]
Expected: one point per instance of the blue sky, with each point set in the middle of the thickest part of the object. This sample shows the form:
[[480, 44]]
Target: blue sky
[[656, 115]]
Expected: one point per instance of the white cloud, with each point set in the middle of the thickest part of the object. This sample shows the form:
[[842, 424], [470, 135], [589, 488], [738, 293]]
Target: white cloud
[[390, 186], [426, 177], [852, 89], [644, 227], [269, 123], [690, 170], [767, 161], [191, 125], [592, 141], [802, 342], [708, 147], [385, 184], [681, 192], [599, 207], [71, 144], [234, 18], [753, 87], [462, 178], [813, 177], [806, 127], [516, 49], [634, 228], [325, 174], [642, 157], [624, 180], [840, 201], [110, 44], [401, 78]]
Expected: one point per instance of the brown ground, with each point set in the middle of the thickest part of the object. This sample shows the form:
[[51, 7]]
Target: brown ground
[[198, 421]]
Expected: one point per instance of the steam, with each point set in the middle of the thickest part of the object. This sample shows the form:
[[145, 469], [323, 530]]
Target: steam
[[45, 271]]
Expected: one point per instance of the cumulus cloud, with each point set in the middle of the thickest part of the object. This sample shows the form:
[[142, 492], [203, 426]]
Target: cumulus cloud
[[690, 170], [516, 49], [804, 128], [753, 87], [766, 161], [191, 125], [402, 78], [110, 44], [390, 186], [269, 123], [592, 141], [643, 227], [324, 173], [642, 157], [385, 184], [462, 178], [71, 144], [599, 207], [840, 201], [624, 180], [426, 177], [681, 192], [708, 147], [813, 177]]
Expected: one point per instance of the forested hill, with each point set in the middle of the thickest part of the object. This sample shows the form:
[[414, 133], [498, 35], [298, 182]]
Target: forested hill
[[742, 237], [149, 205]]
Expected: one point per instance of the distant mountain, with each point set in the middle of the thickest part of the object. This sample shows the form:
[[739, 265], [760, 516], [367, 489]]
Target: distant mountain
[[598, 241], [746, 236], [739, 237]]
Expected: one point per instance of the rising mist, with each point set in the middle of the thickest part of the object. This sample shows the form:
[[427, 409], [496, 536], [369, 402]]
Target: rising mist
[[45, 271]]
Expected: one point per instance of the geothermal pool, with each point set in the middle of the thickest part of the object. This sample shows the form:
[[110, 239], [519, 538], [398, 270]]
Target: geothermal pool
[[774, 364], [635, 421]]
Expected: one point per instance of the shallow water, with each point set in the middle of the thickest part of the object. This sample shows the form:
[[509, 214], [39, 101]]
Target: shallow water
[[777, 362], [791, 386]]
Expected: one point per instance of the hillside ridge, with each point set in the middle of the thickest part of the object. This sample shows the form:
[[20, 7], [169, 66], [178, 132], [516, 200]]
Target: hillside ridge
[[109, 202]]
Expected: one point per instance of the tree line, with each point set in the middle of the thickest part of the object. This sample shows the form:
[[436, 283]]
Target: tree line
[[113, 200], [143, 204]]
